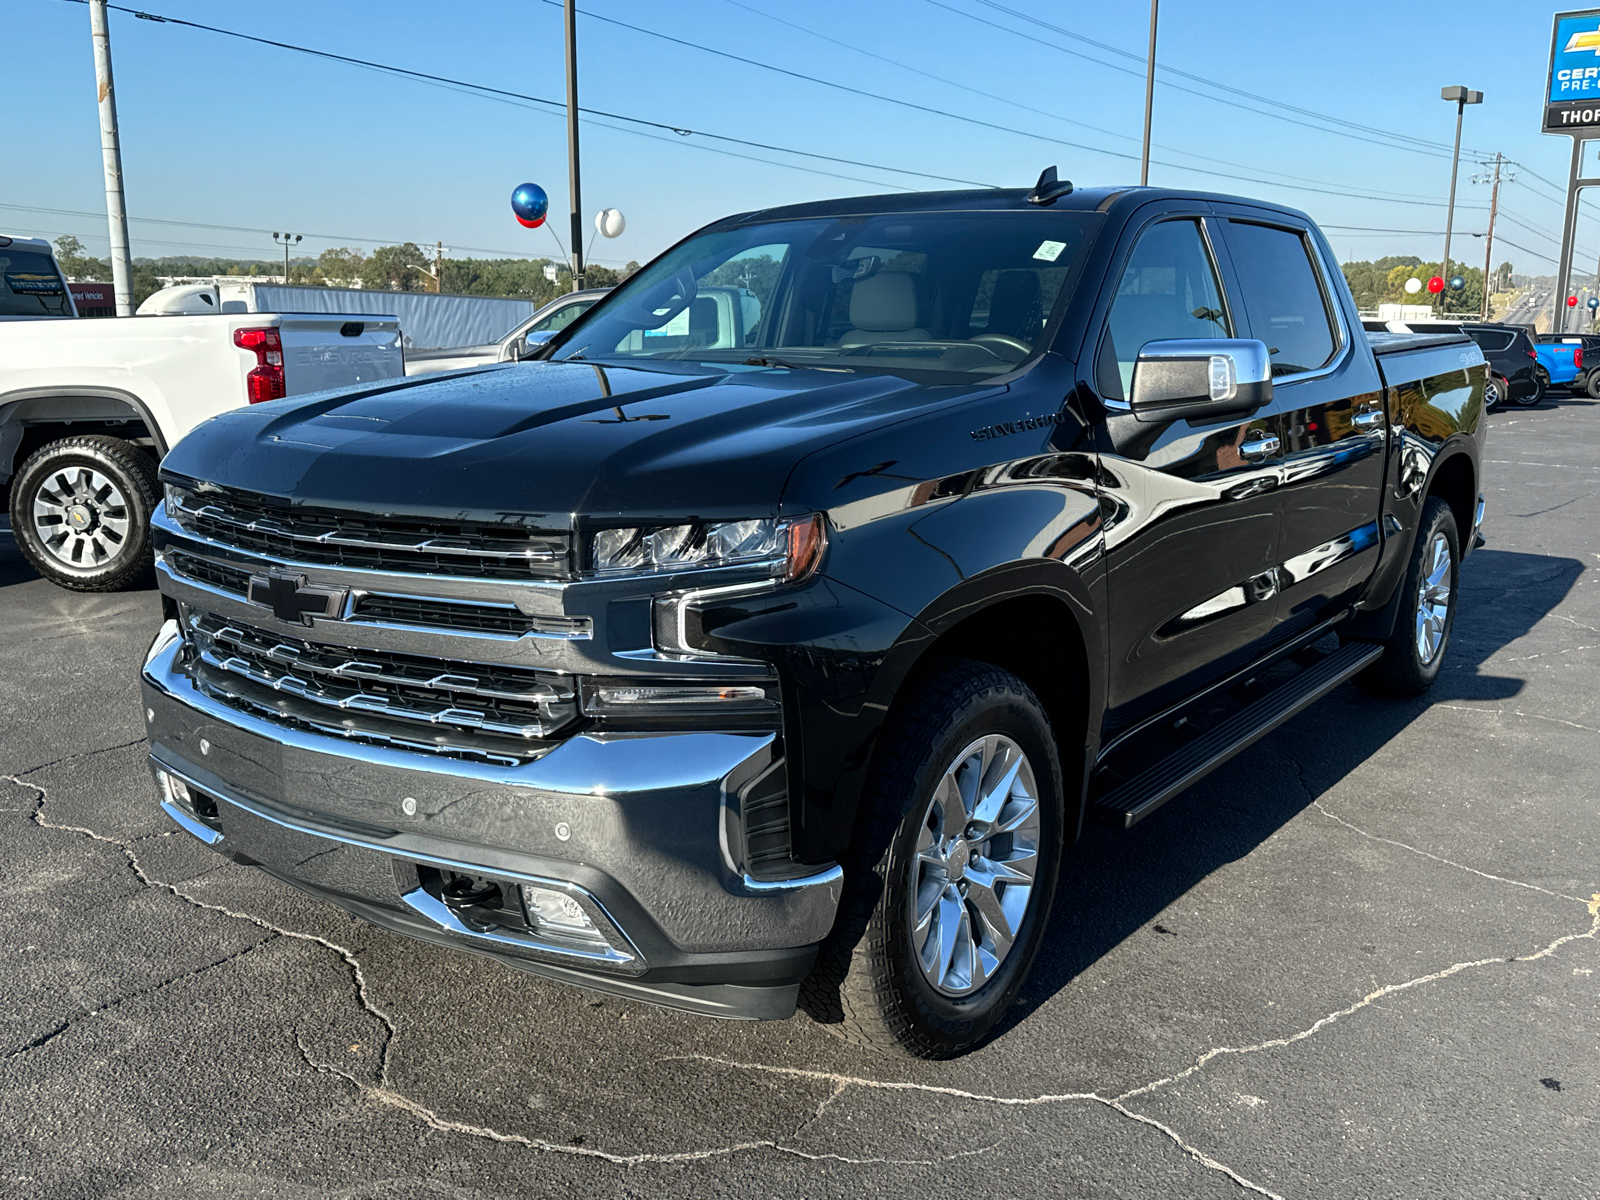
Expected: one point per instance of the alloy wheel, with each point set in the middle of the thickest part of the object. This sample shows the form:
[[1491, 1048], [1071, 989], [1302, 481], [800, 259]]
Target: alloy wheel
[[972, 878], [1433, 600], [81, 517]]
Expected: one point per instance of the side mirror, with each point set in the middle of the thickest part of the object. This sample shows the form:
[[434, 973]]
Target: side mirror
[[1208, 378]]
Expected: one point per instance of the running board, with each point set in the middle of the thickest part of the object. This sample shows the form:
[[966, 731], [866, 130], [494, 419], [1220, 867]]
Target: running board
[[1131, 802]]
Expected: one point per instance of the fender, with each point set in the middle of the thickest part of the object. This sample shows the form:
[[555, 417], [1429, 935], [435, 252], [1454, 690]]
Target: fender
[[152, 426]]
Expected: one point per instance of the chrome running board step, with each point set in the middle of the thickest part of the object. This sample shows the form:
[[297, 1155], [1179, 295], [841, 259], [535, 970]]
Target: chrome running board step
[[1140, 796]]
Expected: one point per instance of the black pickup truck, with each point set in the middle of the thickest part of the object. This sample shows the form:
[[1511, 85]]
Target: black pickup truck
[[734, 661]]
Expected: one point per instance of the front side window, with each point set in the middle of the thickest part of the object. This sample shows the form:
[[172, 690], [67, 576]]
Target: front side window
[[1168, 290], [1283, 296], [561, 318], [957, 293]]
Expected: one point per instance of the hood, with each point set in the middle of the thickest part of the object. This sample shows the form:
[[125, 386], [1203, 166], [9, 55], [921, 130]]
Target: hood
[[548, 441]]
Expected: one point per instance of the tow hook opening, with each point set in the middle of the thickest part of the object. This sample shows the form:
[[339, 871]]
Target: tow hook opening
[[478, 902]]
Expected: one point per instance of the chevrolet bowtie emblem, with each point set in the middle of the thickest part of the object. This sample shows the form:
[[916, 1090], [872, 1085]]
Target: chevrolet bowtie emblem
[[291, 599], [1584, 41]]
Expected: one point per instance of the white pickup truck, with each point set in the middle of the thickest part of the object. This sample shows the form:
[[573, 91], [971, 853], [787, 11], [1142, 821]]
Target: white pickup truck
[[87, 408]]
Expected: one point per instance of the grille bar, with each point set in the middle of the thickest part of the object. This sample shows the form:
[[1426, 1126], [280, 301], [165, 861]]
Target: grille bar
[[438, 694], [382, 543]]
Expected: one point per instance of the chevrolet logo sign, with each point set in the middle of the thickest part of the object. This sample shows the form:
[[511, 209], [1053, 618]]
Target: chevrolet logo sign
[[1584, 41], [291, 599]]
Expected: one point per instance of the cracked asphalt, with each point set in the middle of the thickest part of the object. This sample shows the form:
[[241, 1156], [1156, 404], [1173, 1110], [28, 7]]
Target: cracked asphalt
[[1359, 962]]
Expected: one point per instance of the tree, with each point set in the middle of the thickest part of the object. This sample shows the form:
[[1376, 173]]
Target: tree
[[76, 265], [340, 267], [396, 269]]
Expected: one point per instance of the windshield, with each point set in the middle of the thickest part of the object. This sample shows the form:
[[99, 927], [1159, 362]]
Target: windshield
[[30, 286], [967, 293]]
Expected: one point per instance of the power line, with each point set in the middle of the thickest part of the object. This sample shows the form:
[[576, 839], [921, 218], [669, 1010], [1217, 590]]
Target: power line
[[466, 85], [1179, 87], [1138, 58]]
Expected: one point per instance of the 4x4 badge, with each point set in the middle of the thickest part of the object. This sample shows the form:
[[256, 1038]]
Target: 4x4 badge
[[291, 599]]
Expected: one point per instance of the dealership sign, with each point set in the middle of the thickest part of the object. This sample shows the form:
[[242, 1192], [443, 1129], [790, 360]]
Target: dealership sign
[[1572, 101]]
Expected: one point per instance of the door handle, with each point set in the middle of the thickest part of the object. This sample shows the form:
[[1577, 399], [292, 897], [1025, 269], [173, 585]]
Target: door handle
[[1366, 420], [1263, 446]]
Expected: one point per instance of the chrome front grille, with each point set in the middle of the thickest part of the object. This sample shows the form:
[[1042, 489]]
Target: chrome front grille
[[488, 618], [349, 539], [498, 713]]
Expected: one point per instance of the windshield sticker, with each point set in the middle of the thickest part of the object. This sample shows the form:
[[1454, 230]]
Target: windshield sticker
[[1049, 251], [29, 283]]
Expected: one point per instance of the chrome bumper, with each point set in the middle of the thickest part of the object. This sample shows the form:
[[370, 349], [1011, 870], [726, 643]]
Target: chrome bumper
[[632, 827]]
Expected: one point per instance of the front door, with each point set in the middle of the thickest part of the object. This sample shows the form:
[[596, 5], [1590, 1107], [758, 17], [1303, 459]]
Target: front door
[[1191, 511], [1327, 409]]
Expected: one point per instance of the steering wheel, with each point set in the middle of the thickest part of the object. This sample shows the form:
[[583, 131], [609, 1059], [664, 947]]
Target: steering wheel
[[1001, 339]]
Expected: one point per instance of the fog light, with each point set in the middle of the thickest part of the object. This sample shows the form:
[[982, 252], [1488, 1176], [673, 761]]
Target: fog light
[[555, 913], [175, 789]]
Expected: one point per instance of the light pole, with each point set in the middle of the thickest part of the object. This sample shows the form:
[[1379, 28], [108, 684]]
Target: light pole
[[1149, 95], [111, 156], [289, 239], [1462, 97], [571, 9]]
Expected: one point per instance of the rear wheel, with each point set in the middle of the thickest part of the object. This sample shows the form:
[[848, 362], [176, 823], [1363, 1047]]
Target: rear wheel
[[1494, 392], [1541, 383], [80, 512], [1415, 651], [949, 882], [1591, 384]]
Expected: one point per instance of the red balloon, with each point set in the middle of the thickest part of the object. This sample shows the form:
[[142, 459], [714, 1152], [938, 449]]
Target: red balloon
[[1436, 285], [529, 224], [1572, 302]]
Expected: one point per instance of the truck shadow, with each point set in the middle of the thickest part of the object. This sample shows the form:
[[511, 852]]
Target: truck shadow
[[1114, 884]]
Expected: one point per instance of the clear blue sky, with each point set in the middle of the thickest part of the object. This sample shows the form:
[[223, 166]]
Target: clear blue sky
[[218, 131]]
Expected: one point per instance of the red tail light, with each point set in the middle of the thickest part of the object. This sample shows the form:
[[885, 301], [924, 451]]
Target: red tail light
[[265, 382], [1533, 354], [1577, 358]]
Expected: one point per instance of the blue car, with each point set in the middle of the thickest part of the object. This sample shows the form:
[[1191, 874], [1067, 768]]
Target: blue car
[[1560, 365]]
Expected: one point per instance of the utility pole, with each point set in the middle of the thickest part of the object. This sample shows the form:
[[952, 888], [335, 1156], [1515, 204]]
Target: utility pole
[[1488, 241], [111, 153], [289, 239], [438, 268], [1462, 97], [572, 142], [1149, 95]]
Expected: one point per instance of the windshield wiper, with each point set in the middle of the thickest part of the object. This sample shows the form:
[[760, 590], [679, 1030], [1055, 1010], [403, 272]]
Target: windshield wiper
[[779, 362]]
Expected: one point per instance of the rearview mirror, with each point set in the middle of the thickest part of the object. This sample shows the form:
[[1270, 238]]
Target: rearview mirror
[[1209, 378]]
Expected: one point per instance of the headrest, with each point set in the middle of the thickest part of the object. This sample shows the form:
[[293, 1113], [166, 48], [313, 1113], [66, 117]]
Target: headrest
[[887, 301]]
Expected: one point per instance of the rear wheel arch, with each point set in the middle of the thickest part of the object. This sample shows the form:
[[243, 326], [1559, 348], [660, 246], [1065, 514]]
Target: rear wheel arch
[[1455, 481], [49, 414]]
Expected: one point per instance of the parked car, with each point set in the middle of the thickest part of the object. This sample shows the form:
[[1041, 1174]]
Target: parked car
[[540, 327], [729, 667], [1589, 345], [1560, 364], [87, 408]]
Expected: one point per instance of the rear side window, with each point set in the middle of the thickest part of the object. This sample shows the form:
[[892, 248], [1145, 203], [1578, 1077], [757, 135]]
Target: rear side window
[[1283, 296], [1491, 340], [30, 286]]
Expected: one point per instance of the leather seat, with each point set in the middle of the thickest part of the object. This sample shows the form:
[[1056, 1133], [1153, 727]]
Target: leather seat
[[883, 308], [1014, 307]]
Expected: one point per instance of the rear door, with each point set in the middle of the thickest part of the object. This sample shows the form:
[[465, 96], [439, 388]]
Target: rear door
[[1190, 511], [336, 350], [1327, 408]]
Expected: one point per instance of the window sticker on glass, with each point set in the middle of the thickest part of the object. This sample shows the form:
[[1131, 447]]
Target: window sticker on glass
[[1049, 251]]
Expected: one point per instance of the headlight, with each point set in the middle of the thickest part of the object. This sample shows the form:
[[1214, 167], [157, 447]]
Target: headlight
[[177, 499], [789, 549]]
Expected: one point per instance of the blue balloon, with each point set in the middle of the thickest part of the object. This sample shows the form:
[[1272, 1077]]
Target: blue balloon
[[529, 203], [1457, 283]]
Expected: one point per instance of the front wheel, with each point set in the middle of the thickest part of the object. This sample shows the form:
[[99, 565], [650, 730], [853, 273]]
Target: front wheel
[[80, 512], [1414, 653], [949, 882]]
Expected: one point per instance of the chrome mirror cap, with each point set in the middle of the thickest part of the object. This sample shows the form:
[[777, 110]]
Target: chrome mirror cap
[[1208, 378]]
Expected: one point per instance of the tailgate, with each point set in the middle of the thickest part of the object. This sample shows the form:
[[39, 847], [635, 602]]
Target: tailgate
[[334, 349]]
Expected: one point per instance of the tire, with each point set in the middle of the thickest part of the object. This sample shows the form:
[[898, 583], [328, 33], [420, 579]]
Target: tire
[[1405, 669], [1591, 385], [965, 721], [110, 488], [1494, 393]]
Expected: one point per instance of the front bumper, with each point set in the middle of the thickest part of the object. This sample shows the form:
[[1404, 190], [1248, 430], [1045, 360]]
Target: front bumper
[[633, 828]]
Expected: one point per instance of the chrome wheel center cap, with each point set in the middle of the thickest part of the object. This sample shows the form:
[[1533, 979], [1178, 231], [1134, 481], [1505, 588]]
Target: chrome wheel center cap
[[956, 862], [79, 516]]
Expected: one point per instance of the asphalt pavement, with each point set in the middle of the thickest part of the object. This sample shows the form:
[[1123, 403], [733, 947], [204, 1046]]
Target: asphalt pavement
[[1360, 962]]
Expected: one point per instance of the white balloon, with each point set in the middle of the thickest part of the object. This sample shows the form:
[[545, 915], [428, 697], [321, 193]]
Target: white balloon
[[610, 222], [1413, 286]]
